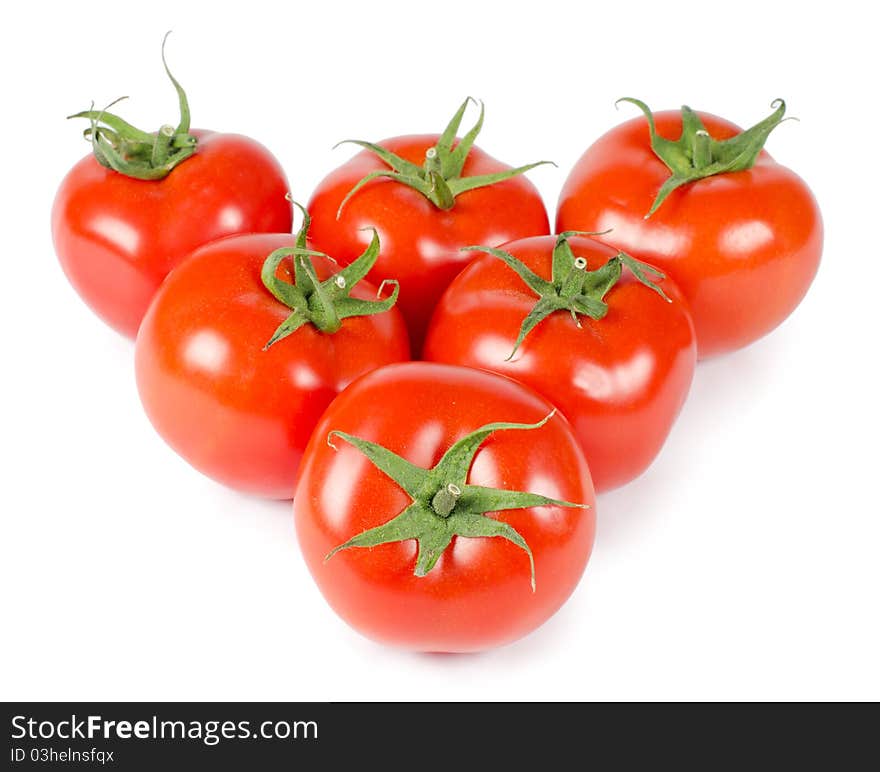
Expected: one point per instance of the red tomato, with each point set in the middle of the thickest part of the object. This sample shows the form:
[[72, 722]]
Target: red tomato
[[117, 237], [743, 246], [620, 380], [236, 412], [477, 594], [421, 241], [127, 214]]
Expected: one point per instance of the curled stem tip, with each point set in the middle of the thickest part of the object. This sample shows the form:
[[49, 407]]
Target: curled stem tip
[[135, 153]]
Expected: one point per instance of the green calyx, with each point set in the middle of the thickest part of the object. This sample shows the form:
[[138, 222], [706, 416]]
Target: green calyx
[[572, 288], [323, 304], [443, 504], [696, 154], [439, 178], [120, 146]]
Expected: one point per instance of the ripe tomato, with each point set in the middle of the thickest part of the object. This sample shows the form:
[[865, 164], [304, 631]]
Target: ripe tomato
[[421, 231], [620, 379], [121, 221], [417, 585], [742, 245], [237, 412]]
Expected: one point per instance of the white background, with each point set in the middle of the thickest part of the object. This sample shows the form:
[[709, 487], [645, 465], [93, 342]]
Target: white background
[[742, 565]]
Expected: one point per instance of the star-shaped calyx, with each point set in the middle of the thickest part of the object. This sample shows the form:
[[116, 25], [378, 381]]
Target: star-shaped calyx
[[696, 154], [140, 154], [443, 503], [323, 304], [439, 178], [572, 288]]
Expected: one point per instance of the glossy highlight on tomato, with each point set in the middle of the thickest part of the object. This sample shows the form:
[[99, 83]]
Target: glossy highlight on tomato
[[742, 246], [620, 380], [478, 595], [237, 412]]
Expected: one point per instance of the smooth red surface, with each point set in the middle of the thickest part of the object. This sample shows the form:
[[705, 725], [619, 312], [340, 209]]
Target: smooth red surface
[[478, 595], [118, 237], [620, 381], [421, 244], [743, 247], [237, 413]]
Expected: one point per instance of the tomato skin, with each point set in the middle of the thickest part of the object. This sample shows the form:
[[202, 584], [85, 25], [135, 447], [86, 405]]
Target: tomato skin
[[621, 381], [118, 237], [235, 412], [420, 243], [478, 595], [743, 246]]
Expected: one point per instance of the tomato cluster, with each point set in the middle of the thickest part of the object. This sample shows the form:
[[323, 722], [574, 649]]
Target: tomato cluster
[[439, 384]]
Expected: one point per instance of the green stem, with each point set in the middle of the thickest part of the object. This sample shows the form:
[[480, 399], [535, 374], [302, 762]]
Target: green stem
[[696, 154], [162, 146], [443, 503], [432, 161], [702, 150], [572, 288], [139, 154], [439, 178], [323, 304], [445, 499]]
